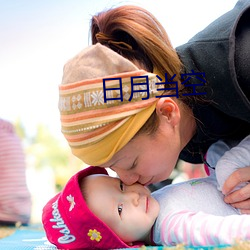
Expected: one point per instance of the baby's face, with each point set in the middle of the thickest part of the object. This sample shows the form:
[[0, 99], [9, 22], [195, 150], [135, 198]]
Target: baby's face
[[130, 211]]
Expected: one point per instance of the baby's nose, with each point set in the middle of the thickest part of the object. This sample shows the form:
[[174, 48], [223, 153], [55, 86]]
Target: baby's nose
[[133, 197]]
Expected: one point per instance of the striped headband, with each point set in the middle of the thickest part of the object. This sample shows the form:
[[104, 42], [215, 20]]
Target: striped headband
[[104, 101]]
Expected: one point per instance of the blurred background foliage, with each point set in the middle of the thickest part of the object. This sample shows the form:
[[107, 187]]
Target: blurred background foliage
[[44, 150]]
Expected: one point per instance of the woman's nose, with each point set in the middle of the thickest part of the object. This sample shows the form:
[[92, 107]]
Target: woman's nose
[[126, 177]]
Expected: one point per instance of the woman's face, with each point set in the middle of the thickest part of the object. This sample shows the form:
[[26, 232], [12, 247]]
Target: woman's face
[[148, 159]]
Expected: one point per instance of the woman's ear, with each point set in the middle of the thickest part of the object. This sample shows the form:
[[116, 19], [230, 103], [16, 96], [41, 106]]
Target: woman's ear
[[168, 109]]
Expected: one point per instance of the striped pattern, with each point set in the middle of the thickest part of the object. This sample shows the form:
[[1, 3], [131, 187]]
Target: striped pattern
[[201, 229], [15, 201], [87, 119]]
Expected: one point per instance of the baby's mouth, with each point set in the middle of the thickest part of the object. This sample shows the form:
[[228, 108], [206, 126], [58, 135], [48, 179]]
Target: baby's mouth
[[147, 203]]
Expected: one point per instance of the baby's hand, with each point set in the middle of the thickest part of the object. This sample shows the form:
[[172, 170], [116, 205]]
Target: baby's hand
[[241, 197]]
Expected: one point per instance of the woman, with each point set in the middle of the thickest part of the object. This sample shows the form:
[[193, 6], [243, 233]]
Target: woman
[[179, 121]]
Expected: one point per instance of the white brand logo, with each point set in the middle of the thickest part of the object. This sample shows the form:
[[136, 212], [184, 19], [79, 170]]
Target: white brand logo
[[67, 237]]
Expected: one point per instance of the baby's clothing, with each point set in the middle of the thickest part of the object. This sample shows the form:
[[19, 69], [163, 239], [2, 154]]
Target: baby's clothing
[[194, 212]]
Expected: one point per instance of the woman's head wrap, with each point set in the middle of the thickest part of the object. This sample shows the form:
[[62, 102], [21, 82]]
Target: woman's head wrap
[[104, 101]]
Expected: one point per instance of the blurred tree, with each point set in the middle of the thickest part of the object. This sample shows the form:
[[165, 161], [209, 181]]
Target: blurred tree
[[45, 150], [20, 130]]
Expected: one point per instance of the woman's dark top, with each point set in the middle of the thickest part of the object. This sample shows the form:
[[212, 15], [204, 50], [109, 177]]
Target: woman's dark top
[[222, 52]]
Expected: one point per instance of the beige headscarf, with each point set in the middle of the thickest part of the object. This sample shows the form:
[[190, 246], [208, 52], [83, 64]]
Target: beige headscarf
[[95, 129]]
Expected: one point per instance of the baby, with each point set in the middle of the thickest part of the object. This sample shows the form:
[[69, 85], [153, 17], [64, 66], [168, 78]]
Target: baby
[[96, 211]]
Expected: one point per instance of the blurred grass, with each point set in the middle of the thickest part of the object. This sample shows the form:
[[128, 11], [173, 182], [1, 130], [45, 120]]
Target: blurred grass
[[6, 231], [240, 245]]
